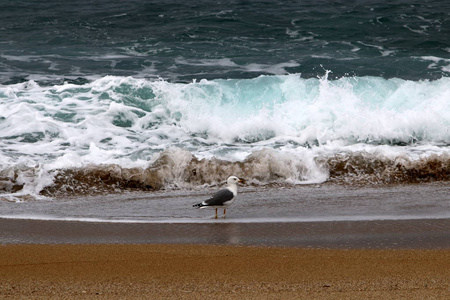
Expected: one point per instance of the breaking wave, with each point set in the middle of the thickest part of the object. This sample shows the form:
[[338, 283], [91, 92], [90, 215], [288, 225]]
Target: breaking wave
[[177, 168], [120, 133]]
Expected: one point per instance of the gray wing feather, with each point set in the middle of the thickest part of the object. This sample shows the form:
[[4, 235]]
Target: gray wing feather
[[220, 198]]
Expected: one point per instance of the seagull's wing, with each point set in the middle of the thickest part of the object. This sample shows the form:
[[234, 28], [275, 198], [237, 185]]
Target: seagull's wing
[[219, 198]]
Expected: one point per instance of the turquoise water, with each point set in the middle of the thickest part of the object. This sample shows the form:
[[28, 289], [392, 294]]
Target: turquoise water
[[104, 97]]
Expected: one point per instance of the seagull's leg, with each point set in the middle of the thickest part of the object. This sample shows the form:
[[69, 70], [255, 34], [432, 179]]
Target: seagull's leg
[[224, 213], [216, 213]]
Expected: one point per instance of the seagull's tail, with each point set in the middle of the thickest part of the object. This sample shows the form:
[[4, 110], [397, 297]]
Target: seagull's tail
[[200, 205]]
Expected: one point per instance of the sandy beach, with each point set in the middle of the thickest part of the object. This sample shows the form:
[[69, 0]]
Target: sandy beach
[[316, 260], [253, 254], [220, 272]]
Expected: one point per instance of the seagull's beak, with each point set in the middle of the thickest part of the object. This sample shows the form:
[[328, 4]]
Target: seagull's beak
[[241, 180]]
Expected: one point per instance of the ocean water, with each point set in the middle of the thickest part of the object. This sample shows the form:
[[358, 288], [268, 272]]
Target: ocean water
[[100, 97]]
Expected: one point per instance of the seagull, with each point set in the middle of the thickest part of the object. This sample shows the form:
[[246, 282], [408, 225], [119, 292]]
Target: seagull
[[223, 198]]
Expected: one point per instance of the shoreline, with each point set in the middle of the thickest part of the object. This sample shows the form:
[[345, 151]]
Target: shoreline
[[304, 203], [380, 259], [378, 234]]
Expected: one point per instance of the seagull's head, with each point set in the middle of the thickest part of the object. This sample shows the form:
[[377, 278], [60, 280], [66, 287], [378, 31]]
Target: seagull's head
[[235, 180]]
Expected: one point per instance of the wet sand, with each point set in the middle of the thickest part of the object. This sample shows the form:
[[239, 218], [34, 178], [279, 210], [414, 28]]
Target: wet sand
[[220, 272], [376, 234], [310, 260]]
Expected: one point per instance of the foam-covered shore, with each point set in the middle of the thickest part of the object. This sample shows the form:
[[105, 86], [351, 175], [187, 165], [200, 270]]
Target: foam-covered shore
[[177, 168]]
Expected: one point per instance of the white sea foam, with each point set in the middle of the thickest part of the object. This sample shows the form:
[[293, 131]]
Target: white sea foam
[[437, 62], [223, 62], [128, 122]]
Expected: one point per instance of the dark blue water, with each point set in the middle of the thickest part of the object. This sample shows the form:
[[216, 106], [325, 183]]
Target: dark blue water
[[52, 41]]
